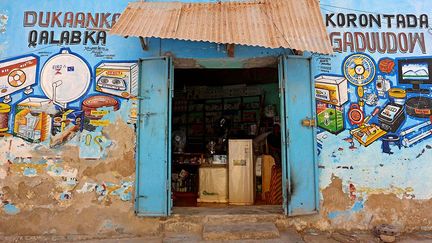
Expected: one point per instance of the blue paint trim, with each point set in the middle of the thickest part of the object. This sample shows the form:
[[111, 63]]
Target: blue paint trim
[[315, 144], [285, 179], [138, 135], [169, 164]]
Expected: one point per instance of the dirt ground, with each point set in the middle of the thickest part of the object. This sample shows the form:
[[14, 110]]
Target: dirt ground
[[289, 236]]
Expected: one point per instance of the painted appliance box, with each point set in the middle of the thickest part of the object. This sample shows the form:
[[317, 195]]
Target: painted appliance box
[[32, 123], [330, 117], [17, 74], [331, 89], [117, 78]]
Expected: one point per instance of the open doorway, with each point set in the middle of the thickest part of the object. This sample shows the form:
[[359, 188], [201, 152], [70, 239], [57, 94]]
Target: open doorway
[[226, 139]]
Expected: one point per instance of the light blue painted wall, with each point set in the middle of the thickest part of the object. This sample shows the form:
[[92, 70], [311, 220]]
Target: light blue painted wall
[[370, 170]]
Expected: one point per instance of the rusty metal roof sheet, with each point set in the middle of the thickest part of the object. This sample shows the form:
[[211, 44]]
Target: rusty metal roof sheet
[[295, 24]]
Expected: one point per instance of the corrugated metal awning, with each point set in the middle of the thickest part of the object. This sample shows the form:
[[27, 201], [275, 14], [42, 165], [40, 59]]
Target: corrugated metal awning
[[295, 24]]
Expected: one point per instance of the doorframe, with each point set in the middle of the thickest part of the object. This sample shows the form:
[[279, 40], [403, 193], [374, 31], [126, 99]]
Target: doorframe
[[286, 171]]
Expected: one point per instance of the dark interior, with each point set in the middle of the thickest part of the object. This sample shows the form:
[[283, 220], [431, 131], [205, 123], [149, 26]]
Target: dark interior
[[210, 108]]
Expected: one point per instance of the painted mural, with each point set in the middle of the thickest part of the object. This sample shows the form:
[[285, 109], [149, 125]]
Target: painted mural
[[374, 101], [65, 91], [68, 108]]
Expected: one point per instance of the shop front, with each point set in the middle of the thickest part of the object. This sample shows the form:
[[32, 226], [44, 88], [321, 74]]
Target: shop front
[[298, 107], [230, 131]]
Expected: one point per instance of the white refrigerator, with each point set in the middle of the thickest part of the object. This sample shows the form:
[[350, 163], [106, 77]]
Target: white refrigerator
[[240, 172]]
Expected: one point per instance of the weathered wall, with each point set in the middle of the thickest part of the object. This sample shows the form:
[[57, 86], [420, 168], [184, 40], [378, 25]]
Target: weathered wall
[[74, 173], [67, 142], [67, 151], [367, 183]]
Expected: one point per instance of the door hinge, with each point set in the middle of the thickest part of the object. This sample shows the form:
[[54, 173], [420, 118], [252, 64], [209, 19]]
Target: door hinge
[[167, 185], [147, 114], [287, 139]]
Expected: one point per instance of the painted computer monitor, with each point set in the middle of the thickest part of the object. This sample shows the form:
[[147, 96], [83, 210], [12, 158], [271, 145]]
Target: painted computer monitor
[[415, 72]]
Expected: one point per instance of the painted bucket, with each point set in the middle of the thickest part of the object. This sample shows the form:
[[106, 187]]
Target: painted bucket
[[4, 117]]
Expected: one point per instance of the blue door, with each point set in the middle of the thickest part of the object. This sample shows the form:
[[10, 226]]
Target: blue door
[[153, 146], [300, 180]]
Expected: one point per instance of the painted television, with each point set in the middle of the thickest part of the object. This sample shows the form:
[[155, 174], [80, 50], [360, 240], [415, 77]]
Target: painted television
[[415, 72]]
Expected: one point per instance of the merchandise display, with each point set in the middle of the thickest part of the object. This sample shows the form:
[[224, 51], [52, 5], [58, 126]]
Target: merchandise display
[[205, 129]]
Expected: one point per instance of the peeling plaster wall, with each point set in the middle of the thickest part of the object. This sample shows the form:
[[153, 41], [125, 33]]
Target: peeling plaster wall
[[365, 181], [67, 150], [68, 114]]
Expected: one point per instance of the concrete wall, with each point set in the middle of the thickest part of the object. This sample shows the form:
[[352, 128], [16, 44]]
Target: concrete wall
[[72, 170]]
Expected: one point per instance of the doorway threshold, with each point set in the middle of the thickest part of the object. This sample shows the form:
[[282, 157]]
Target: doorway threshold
[[228, 210]]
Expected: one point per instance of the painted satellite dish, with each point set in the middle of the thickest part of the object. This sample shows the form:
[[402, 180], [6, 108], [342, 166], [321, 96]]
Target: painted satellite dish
[[65, 77]]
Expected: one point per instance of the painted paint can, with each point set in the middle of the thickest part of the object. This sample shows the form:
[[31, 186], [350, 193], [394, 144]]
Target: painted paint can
[[92, 103], [398, 95], [4, 117]]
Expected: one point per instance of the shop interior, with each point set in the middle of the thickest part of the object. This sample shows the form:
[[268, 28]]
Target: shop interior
[[226, 142]]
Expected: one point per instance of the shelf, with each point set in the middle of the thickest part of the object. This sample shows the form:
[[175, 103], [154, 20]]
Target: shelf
[[187, 164], [186, 154], [214, 165], [210, 110]]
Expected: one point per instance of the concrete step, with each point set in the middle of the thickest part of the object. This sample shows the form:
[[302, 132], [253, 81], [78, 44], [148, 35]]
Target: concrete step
[[243, 218], [240, 231]]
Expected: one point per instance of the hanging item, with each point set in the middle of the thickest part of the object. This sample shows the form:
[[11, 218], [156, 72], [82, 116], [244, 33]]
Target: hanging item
[[179, 139], [270, 111], [359, 70]]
